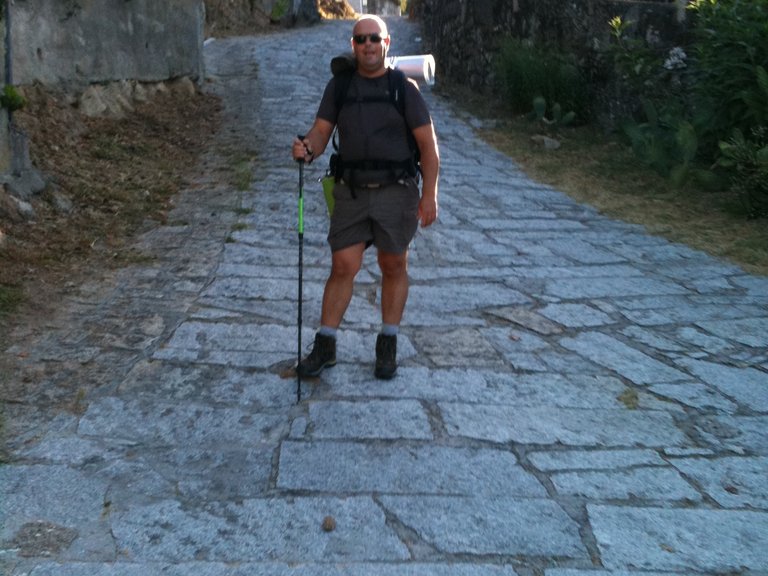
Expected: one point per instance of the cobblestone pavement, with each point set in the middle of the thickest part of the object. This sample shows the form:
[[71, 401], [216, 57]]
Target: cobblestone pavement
[[575, 397]]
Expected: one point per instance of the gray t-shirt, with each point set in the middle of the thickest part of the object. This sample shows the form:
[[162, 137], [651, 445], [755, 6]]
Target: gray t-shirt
[[373, 130]]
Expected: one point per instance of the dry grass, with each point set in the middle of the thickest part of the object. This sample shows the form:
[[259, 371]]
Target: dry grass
[[333, 10], [120, 176], [597, 169]]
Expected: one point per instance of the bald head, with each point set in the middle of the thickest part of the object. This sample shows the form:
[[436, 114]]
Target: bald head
[[363, 22]]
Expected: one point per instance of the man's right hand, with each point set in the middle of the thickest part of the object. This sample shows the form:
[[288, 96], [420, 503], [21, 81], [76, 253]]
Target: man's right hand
[[302, 151]]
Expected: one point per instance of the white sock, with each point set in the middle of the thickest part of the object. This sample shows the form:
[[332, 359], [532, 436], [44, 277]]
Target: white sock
[[327, 331], [390, 329]]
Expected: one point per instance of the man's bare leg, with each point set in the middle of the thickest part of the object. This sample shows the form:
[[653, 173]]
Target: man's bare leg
[[345, 265], [394, 293], [394, 286]]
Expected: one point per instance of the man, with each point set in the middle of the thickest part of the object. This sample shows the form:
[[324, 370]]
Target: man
[[377, 200]]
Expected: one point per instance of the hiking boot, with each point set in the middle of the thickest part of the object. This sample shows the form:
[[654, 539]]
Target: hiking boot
[[386, 356], [323, 355]]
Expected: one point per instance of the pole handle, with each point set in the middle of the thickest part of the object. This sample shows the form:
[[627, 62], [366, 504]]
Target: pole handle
[[301, 137]]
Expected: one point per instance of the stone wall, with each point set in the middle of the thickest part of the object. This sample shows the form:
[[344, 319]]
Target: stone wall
[[5, 141], [79, 42], [243, 17], [465, 35], [78, 45]]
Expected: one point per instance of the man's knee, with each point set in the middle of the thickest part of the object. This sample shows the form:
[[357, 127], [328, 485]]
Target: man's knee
[[393, 265], [347, 262]]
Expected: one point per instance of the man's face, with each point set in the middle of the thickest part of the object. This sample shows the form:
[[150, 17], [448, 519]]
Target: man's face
[[369, 53]]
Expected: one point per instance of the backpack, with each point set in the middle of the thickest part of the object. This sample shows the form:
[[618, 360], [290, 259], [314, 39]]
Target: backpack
[[343, 69]]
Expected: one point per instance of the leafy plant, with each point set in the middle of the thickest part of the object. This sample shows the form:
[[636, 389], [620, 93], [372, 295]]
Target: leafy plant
[[689, 105], [527, 73], [729, 85], [10, 298], [551, 115], [747, 162], [634, 61], [279, 10], [665, 142], [11, 100]]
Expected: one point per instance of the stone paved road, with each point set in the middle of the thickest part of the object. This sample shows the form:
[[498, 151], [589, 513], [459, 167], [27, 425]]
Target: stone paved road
[[576, 397]]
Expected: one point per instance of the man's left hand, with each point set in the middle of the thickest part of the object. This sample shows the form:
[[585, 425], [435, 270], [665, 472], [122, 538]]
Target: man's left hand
[[427, 211]]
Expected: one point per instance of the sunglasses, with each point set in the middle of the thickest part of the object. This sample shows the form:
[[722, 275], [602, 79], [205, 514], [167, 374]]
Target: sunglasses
[[361, 38]]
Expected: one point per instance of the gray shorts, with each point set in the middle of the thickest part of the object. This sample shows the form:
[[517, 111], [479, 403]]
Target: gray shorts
[[386, 217]]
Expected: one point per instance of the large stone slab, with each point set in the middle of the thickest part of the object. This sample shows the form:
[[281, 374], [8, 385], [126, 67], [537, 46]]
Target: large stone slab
[[698, 396], [260, 288], [594, 459], [548, 225], [465, 346], [647, 483], [572, 427], [733, 482], [336, 467], [627, 361], [740, 434], [54, 510], [584, 252], [572, 288], [680, 539], [383, 419], [583, 272], [747, 386], [749, 331], [209, 384], [575, 315], [155, 423], [455, 297], [484, 526], [204, 337], [261, 530], [484, 386], [685, 312], [194, 474]]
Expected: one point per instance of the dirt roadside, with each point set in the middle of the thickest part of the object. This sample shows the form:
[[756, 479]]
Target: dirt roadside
[[108, 179]]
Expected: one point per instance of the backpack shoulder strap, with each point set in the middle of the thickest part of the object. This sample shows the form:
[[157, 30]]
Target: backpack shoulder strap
[[397, 89], [343, 80]]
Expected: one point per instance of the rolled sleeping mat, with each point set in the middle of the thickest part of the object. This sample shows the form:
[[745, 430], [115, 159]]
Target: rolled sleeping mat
[[420, 67]]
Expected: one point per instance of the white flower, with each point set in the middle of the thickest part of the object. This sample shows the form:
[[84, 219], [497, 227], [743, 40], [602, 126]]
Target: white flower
[[676, 59]]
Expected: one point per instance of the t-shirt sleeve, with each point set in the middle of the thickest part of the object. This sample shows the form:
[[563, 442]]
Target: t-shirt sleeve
[[416, 111], [327, 110]]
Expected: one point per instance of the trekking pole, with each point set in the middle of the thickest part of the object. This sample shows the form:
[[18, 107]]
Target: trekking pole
[[301, 272]]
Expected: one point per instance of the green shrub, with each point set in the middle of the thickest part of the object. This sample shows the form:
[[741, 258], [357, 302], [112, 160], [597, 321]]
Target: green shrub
[[527, 73], [636, 64], [747, 162], [11, 100], [729, 87], [10, 298], [551, 115], [279, 10], [664, 141], [692, 102]]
